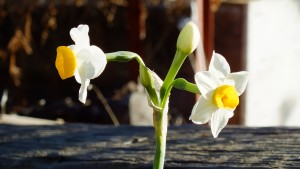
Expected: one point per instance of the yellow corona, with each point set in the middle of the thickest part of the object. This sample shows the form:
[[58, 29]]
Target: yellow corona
[[65, 62], [226, 97]]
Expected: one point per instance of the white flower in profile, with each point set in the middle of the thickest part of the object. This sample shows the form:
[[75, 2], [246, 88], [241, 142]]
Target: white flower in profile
[[81, 60], [220, 91]]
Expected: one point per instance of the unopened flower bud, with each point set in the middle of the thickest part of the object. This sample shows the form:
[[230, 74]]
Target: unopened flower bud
[[188, 38]]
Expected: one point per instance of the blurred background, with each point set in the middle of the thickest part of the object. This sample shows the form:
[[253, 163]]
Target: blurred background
[[260, 36]]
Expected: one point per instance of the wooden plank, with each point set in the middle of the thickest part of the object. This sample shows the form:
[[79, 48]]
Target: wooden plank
[[94, 146]]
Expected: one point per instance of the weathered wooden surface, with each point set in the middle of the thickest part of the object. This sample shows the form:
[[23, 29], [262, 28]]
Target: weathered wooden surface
[[95, 147]]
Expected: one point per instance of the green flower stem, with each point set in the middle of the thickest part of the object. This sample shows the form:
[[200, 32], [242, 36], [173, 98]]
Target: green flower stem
[[175, 66], [160, 121], [123, 56], [160, 117], [182, 84], [160, 114], [145, 75]]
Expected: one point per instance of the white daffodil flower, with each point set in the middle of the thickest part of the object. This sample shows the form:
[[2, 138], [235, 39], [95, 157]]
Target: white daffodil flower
[[81, 60], [220, 91]]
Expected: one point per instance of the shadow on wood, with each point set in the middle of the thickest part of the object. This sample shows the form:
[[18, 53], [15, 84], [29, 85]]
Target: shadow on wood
[[92, 146]]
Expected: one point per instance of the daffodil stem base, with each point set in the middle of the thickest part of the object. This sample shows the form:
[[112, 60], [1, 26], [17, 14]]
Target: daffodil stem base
[[160, 120], [160, 151]]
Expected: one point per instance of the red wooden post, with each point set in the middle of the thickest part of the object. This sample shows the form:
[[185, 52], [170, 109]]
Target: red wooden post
[[135, 45]]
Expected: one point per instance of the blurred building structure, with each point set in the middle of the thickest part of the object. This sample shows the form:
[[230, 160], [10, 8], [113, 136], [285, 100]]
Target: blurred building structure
[[260, 36], [273, 57], [30, 31]]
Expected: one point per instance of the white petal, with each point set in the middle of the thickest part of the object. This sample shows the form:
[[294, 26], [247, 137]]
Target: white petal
[[240, 81], [74, 48], [80, 35], [77, 77], [90, 62], [98, 60], [83, 90], [84, 65], [219, 66], [206, 81], [202, 111], [83, 28], [219, 120]]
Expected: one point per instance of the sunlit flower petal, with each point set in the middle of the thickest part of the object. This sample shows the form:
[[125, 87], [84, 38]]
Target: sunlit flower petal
[[91, 62], [219, 66], [98, 56], [240, 81], [83, 90], [86, 67], [220, 94], [206, 81], [202, 111], [219, 120], [80, 36]]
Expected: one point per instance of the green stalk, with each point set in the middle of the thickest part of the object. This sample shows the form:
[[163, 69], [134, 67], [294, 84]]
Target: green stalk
[[160, 117], [175, 66], [160, 114], [123, 56], [160, 121], [182, 84], [145, 76]]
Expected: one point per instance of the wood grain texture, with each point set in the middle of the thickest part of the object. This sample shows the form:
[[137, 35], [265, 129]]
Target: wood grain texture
[[73, 146]]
